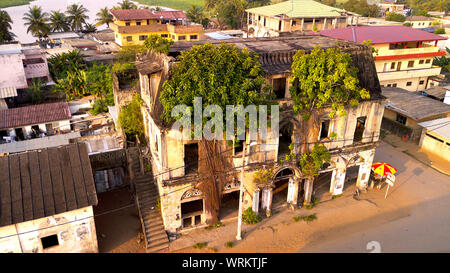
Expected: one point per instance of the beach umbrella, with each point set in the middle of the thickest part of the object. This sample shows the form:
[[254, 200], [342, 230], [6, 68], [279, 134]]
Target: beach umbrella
[[383, 168]]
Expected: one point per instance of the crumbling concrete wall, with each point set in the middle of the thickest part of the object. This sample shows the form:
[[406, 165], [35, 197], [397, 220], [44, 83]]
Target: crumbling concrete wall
[[75, 231]]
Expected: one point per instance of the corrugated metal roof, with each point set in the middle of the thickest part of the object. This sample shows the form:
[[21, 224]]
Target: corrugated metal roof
[[44, 183], [298, 9], [8, 92], [381, 34], [439, 126]]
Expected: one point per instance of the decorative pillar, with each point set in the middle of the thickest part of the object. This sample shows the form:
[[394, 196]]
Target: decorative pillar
[[255, 203], [337, 181], [269, 202], [308, 191], [293, 192]]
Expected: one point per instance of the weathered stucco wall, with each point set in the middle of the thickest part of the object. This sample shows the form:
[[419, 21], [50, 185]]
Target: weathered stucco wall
[[75, 230]]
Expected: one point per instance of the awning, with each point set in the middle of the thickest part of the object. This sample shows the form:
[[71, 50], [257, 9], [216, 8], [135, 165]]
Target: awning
[[8, 92]]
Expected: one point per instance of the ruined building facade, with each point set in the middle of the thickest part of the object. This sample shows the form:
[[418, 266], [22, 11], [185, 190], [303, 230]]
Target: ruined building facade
[[181, 166]]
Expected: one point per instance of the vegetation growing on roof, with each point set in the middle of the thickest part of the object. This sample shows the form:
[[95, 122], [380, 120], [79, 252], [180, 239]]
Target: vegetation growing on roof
[[131, 121]]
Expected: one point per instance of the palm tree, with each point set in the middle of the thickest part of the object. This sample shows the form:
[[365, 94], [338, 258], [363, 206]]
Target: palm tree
[[104, 17], [37, 22], [59, 21], [126, 4], [77, 16], [5, 26], [88, 28]]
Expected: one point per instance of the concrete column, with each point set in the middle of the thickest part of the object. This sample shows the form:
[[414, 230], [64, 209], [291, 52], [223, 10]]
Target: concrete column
[[269, 202], [308, 191], [303, 21], [296, 184], [27, 131], [363, 176], [255, 203], [12, 132], [337, 181], [43, 128], [324, 24]]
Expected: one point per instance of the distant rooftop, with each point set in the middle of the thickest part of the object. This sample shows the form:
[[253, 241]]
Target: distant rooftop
[[419, 18], [381, 34], [35, 114], [298, 9], [143, 14], [413, 105], [439, 126]]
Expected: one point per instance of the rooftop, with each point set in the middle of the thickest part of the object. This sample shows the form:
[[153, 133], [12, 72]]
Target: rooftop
[[46, 182], [35, 114], [439, 126], [419, 18], [381, 34], [298, 9], [413, 105], [143, 14]]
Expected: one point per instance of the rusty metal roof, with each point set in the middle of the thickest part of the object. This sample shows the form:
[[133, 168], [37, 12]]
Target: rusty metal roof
[[46, 182]]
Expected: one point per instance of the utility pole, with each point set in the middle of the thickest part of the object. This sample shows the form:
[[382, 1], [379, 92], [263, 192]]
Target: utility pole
[[241, 193]]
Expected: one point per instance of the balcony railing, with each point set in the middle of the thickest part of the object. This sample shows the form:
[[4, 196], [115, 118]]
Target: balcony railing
[[407, 74]]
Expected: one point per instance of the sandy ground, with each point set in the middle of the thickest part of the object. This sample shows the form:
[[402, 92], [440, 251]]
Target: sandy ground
[[117, 223], [413, 218]]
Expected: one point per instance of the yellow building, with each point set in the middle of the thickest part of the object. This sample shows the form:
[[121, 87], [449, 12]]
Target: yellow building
[[403, 55], [132, 27], [295, 15], [419, 21]]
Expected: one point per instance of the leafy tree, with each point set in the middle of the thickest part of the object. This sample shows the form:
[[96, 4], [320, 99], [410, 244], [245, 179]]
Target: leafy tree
[[5, 27], [320, 80], [59, 22], [222, 75], [35, 92], [396, 17], [61, 64], [231, 12], [37, 22], [104, 17], [420, 12], [126, 4], [130, 119], [77, 16], [328, 2], [197, 15], [362, 7], [89, 28], [158, 44], [311, 163], [439, 31], [443, 61]]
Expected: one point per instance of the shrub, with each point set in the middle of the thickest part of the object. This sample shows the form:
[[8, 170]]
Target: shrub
[[337, 196], [130, 119], [439, 31], [250, 217], [296, 218], [218, 224], [395, 17], [158, 203], [200, 245], [229, 244], [212, 249], [309, 218]]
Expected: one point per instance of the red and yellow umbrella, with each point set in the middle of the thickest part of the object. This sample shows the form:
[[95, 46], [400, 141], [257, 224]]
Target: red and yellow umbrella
[[382, 168]]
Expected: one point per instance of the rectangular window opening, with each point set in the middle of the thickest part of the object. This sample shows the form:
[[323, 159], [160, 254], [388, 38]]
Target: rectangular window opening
[[49, 241], [324, 129], [359, 130], [191, 158]]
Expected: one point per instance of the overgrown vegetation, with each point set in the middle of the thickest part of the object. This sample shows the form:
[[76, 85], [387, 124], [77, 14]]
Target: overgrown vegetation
[[5, 27], [439, 31], [212, 250], [309, 218], [229, 244], [361, 7], [443, 61], [250, 217], [311, 163], [200, 245], [262, 177], [395, 17], [130, 119]]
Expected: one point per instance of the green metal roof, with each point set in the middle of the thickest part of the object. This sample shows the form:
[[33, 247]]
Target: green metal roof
[[298, 9]]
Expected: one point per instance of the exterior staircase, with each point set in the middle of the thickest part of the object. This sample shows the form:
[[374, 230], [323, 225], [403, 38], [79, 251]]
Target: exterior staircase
[[156, 239]]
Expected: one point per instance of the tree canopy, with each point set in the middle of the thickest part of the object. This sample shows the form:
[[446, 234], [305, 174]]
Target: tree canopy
[[361, 7], [37, 22], [5, 27], [222, 75], [324, 78]]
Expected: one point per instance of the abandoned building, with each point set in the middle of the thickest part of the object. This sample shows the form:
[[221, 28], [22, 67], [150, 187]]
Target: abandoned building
[[46, 201], [179, 166]]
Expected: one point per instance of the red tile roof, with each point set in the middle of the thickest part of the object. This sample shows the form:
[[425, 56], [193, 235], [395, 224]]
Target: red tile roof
[[381, 34], [143, 14], [176, 14], [35, 114]]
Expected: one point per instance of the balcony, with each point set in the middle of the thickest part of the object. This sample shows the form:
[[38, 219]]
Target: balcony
[[191, 28], [409, 74], [406, 51]]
